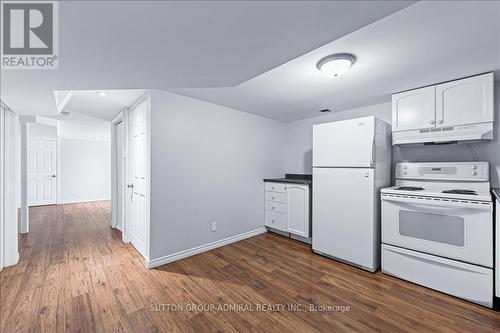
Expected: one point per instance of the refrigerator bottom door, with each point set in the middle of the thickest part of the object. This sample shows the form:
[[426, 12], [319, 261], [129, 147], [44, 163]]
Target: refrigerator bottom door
[[470, 282], [345, 219]]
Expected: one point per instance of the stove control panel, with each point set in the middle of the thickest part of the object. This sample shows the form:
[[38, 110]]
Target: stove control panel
[[472, 171]]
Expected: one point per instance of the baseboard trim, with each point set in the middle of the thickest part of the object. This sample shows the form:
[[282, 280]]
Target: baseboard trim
[[203, 248], [11, 261], [63, 202]]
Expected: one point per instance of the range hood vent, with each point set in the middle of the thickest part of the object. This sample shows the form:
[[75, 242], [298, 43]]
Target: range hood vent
[[451, 134]]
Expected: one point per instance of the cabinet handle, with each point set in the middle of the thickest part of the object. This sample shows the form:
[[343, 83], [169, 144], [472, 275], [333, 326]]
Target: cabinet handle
[[272, 198], [432, 122], [272, 221], [440, 121], [272, 207]]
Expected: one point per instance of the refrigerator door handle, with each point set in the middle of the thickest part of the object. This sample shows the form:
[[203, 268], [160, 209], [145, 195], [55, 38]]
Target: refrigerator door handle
[[372, 153]]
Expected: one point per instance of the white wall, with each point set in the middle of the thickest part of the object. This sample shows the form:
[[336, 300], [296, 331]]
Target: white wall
[[85, 156], [207, 164], [299, 142], [85, 170], [40, 131], [83, 127]]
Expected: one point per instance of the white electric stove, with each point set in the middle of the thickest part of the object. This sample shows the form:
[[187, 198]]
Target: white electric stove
[[437, 228]]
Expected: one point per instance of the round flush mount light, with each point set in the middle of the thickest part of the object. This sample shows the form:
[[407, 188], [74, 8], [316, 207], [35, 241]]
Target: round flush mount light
[[336, 64], [102, 93]]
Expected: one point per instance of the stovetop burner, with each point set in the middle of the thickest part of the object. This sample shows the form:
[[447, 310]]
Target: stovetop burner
[[466, 192], [410, 188]]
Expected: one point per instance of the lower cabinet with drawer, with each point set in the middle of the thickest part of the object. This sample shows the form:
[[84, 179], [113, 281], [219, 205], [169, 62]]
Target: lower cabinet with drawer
[[287, 208]]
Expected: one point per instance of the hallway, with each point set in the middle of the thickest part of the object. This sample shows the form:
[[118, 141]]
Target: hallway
[[76, 275]]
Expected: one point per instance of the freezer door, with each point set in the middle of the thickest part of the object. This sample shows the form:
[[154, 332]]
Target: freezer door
[[348, 143], [344, 222]]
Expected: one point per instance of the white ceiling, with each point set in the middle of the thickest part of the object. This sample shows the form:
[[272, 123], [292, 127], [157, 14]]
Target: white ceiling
[[89, 102], [426, 43], [185, 44]]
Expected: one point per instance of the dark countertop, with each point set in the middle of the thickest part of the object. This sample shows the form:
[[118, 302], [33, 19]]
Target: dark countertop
[[292, 178], [496, 192]]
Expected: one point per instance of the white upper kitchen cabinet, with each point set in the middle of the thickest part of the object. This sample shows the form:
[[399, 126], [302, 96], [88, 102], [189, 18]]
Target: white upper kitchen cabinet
[[465, 101], [297, 213], [414, 109]]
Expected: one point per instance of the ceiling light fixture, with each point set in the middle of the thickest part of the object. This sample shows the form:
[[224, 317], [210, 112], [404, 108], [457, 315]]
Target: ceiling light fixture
[[102, 93], [336, 64]]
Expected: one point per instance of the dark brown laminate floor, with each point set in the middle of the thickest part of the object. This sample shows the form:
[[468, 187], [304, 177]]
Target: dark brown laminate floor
[[76, 275]]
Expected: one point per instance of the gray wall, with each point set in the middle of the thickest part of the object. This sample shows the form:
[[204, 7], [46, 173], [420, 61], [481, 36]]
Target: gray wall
[[85, 165], [85, 170], [299, 142], [207, 164]]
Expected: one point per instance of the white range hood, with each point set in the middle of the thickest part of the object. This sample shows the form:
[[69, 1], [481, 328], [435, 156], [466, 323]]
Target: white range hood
[[459, 134], [454, 111]]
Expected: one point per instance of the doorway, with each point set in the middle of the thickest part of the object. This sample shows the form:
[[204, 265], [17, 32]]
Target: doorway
[[119, 130], [42, 172]]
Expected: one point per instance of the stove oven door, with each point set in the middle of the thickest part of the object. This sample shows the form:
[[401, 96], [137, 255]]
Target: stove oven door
[[455, 229]]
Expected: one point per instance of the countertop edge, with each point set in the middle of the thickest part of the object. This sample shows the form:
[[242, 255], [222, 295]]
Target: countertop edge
[[290, 181]]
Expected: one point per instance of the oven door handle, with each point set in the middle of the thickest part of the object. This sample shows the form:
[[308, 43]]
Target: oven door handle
[[440, 203]]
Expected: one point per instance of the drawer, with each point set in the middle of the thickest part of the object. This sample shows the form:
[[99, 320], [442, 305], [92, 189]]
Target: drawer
[[470, 282], [275, 220], [275, 187], [275, 196], [275, 206]]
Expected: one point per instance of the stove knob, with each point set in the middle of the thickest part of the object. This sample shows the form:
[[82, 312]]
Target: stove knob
[[474, 173], [473, 167]]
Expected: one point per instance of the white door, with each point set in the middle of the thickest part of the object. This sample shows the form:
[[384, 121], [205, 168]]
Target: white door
[[344, 223], [414, 109], [42, 172], [297, 209], [119, 175], [139, 181], [347, 143], [466, 101]]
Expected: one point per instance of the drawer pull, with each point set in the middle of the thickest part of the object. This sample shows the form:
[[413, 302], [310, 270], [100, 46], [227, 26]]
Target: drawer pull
[[272, 198], [272, 207]]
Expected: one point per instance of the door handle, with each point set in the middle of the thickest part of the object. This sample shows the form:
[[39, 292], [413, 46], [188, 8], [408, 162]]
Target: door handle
[[53, 176], [131, 185]]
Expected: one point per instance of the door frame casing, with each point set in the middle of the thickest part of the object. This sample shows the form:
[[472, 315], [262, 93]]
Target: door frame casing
[[125, 116], [121, 117], [9, 172]]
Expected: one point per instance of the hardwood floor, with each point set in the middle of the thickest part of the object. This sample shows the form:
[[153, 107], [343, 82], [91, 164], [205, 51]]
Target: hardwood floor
[[76, 275]]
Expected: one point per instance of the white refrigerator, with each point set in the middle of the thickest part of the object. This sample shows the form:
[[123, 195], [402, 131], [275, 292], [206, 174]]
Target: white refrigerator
[[351, 163]]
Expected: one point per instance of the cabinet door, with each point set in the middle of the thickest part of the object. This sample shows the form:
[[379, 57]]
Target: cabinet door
[[297, 212], [466, 101], [414, 109]]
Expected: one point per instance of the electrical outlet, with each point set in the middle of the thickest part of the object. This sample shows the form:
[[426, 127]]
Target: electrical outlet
[[214, 226]]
